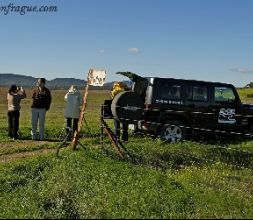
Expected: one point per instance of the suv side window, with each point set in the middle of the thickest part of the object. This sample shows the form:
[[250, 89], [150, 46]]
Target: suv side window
[[171, 92], [197, 93], [223, 94]]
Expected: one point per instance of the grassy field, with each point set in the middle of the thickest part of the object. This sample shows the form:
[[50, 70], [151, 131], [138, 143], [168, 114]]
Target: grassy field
[[159, 180]]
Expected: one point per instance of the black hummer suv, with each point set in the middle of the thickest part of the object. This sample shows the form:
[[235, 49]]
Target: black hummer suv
[[174, 109]]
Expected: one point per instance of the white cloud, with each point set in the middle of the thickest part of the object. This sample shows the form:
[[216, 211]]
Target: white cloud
[[133, 50], [101, 51], [242, 70]]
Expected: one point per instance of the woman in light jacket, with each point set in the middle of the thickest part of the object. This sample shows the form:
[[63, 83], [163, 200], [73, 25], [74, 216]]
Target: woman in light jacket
[[72, 111]]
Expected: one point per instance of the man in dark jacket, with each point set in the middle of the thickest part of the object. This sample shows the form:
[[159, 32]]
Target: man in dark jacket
[[41, 101]]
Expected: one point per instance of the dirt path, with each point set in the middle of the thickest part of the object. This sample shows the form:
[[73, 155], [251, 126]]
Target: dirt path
[[24, 155], [9, 150]]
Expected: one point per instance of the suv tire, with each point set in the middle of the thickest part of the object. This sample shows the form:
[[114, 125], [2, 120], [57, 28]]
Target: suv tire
[[173, 131]]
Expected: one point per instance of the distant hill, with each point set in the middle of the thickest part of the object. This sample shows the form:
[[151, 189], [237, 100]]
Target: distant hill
[[64, 83], [7, 79]]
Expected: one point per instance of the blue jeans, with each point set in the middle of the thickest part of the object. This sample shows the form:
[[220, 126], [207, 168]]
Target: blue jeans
[[38, 115]]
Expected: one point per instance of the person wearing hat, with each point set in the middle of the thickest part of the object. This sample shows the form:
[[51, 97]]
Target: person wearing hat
[[14, 97], [116, 89], [72, 110]]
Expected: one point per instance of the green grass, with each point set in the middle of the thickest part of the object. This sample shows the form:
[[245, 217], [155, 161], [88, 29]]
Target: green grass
[[244, 95], [158, 180], [86, 184]]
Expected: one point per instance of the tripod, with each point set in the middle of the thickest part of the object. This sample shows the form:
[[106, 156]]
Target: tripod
[[67, 137]]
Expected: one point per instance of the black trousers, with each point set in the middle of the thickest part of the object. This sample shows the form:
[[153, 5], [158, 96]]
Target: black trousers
[[13, 123], [124, 130], [69, 123]]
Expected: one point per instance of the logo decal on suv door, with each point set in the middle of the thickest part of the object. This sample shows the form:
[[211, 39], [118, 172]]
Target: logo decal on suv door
[[226, 116], [164, 101]]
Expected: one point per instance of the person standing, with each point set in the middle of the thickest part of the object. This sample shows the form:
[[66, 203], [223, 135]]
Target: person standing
[[41, 101], [72, 110], [14, 97]]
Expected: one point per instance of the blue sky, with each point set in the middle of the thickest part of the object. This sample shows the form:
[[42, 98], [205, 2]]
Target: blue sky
[[208, 40]]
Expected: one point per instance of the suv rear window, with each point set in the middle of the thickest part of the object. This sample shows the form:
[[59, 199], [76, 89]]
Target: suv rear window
[[197, 93]]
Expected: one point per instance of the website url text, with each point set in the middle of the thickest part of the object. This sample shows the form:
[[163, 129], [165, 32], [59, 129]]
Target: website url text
[[22, 10]]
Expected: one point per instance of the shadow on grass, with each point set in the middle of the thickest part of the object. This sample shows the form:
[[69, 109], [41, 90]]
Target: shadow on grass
[[179, 157]]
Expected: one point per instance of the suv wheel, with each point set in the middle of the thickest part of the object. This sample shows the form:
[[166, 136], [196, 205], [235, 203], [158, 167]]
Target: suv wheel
[[172, 131]]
